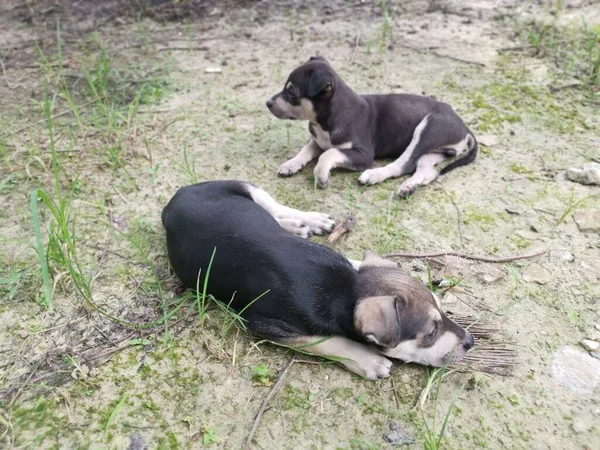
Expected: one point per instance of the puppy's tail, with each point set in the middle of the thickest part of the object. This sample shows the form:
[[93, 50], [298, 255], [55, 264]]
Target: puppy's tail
[[469, 158]]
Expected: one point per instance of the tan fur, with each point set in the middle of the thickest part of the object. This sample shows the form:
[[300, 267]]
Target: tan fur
[[359, 358], [375, 318]]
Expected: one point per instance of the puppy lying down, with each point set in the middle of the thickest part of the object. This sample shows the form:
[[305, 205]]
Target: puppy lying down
[[311, 297]]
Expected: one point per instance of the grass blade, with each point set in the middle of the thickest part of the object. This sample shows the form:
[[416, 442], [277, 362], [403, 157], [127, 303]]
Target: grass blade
[[116, 411], [37, 229]]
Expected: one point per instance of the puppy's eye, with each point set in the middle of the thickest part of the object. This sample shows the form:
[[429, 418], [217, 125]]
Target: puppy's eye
[[433, 333]]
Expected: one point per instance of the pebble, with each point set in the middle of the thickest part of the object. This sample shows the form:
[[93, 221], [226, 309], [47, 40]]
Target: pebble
[[534, 273], [576, 370], [137, 442], [589, 175], [589, 345], [561, 255], [398, 435], [487, 140], [588, 220], [490, 275]]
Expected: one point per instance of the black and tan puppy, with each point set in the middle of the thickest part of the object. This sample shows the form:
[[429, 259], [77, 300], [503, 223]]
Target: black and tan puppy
[[302, 294], [350, 130]]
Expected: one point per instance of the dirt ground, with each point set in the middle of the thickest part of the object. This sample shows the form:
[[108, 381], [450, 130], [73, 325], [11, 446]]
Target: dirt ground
[[144, 99]]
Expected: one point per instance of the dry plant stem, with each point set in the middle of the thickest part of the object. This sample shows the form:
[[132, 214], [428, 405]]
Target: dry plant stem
[[466, 256], [265, 402]]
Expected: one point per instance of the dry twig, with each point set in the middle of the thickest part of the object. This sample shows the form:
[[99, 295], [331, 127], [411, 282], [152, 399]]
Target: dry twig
[[466, 256], [265, 402]]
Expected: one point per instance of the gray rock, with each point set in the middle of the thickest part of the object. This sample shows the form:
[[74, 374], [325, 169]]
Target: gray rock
[[137, 442], [590, 174], [588, 220], [517, 210], [561, 255], [589, 345], [534, 273], [576, 370], [398, 435], [491, 274]]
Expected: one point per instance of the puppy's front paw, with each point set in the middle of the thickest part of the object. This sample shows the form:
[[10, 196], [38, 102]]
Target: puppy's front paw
[[372, 176], [377, 368], [296, 226], [318, 223], [289, 168], [405, 190], [322, 176]]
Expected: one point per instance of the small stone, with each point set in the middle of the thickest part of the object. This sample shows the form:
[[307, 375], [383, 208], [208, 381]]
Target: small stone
[[487, 140], [561, 255], [213, 70], [491, 274], [516, 210], [529, 235], [589, 175], [539, 402], [597, 326], [534, 273], [137, 442], [398, 435], [576, 370], [590, 346], [594, 355], [588, 220]]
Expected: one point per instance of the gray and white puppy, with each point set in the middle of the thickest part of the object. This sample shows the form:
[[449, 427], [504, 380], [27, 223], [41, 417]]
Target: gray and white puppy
[[350, 130]]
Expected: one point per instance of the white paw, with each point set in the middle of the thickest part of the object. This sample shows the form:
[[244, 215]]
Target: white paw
[[374, 367], [289, 168], [296, 226], [406, 189], [373, 176], [322, 176], [317, 222]]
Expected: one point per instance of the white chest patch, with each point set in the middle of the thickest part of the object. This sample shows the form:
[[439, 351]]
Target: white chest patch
[[324, 141], [321, 137]]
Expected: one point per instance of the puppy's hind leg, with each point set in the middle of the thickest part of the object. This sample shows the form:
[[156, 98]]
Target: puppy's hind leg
[[425, 174], [301, 223], [401, 166]]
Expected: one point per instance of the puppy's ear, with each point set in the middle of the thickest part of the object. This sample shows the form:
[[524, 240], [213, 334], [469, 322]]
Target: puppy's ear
[[320, 81], [320, 58], [377, 320], [370, 258]]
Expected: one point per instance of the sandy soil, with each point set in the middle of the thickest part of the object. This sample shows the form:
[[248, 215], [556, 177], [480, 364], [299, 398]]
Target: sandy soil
[[73, 378]]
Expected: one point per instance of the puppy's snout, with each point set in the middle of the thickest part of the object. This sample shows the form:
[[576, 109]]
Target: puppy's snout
[[270, 103], [469, 342]]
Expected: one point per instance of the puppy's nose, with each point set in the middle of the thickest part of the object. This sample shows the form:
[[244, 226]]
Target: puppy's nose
[[469, 343], [269, 103]]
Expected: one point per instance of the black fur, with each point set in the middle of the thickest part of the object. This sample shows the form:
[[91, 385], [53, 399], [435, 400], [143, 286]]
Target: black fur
[[311, 288]]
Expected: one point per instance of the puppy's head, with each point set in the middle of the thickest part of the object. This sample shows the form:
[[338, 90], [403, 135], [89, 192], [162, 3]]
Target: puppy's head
[[307, 90], [399, 314]]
